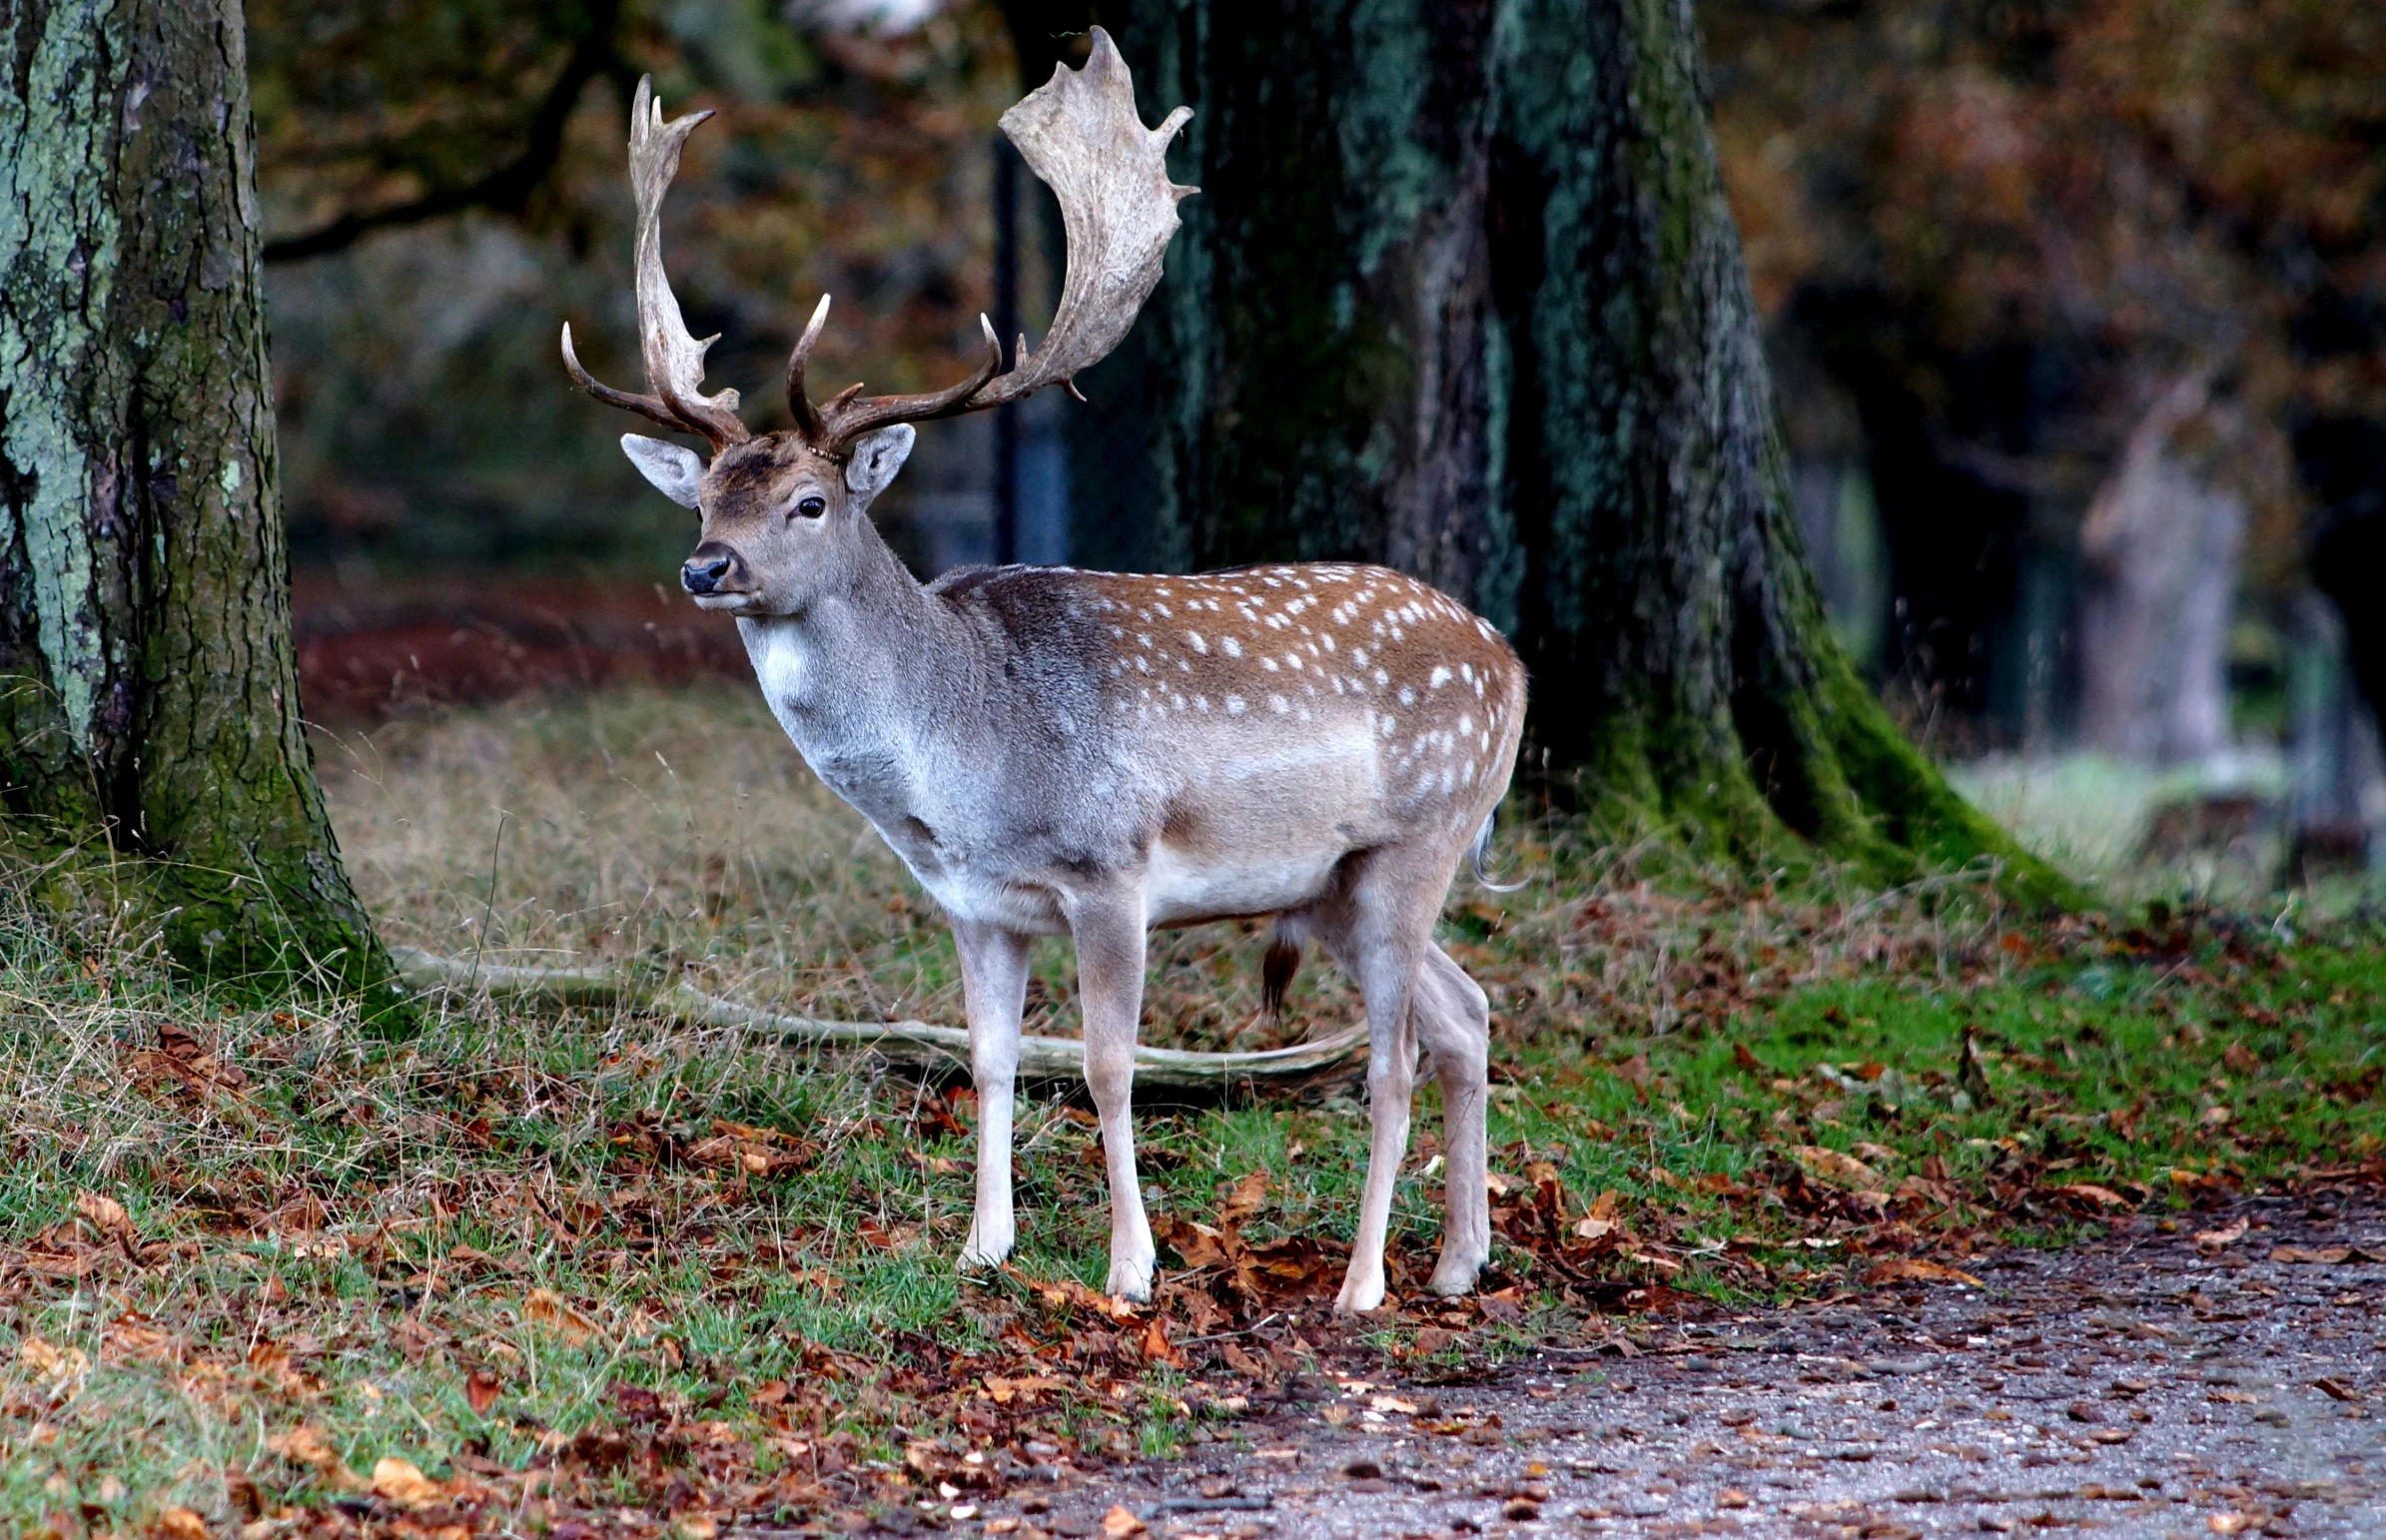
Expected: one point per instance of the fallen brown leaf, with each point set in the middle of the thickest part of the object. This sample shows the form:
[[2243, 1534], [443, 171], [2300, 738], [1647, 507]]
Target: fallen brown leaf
[[51, 1361], [180, 1523], [1901, 1269], [482, 1392], [546, 1308], [1835, 1165], [1245, 1199], [2325, 1256], [2226, 1235], [306, 1445], [2090, 1193], [105, 1213], [1119, 1523], [1158, 1349], [401, 1481]]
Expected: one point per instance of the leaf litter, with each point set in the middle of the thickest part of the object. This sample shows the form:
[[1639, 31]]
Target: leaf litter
[[594, 1273]]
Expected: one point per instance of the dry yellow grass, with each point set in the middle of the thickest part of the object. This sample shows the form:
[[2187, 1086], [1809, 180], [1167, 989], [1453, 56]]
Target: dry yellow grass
[[682, 830]]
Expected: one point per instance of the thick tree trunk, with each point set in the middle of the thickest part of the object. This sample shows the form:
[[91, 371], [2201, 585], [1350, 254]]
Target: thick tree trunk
[[151, 751], [1461, 292]]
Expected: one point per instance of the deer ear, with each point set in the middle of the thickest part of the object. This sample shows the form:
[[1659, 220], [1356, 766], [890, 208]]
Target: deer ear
[[875, 459], [673, 470]]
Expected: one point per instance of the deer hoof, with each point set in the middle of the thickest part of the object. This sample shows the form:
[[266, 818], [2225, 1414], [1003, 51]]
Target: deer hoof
[[1361, 1295], [1455, 1275], [1131, 1280], [976, 1253]]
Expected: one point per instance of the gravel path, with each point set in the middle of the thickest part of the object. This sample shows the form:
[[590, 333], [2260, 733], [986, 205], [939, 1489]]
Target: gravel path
[[2139, 1385]]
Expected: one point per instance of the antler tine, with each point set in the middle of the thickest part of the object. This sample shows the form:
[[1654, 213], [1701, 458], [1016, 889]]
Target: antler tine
[[852, 415], [1080, 132], [643, 405], [674, 359], [806, 421]]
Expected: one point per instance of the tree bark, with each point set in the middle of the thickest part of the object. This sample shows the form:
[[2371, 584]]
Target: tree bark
[[1461, 293], [153, 763]]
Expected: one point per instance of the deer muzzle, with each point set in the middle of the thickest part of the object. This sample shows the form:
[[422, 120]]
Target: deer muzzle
[[714, 568]]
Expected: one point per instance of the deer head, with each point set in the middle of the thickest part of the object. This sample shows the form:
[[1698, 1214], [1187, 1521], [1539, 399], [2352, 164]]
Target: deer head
[[785, 514]]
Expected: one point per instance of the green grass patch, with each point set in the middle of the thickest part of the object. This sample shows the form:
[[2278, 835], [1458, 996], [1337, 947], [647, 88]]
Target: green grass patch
[[573, 1262]]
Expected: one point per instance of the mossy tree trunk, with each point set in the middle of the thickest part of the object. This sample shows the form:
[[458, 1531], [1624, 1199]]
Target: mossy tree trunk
[[152, 760], [1461, 293]]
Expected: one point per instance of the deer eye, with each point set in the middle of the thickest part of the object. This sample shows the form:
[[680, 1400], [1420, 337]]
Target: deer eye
[[812, 508]]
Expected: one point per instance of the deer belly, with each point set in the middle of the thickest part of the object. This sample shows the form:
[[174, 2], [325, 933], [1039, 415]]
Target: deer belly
[[1183, 886]]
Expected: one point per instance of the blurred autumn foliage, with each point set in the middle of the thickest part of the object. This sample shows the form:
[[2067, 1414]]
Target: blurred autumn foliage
[[444, 187], [2001, 231], [2000, 243]]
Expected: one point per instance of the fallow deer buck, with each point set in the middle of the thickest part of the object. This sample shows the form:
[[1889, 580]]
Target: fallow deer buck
[[1053, 751]]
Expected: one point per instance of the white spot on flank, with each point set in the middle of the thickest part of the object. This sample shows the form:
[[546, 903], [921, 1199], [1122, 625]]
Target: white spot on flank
[[1198, 645], [1439, 677], [1234, 705], [1201, 703], [1467, 671], [1292, 658], [1233, 647], [1407, 697], [1142, 639], [1279, 704], [1381, 677], [1329, 643], [1268, 663]]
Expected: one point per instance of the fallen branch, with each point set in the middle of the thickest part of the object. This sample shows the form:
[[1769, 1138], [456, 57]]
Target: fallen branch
[[904, 1043]]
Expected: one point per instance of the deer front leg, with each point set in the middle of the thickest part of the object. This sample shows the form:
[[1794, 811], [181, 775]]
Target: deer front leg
[[994, 988], [1110, 971]]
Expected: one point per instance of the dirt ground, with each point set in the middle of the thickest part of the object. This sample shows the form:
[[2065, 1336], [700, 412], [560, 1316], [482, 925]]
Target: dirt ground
[[2139, 1385]]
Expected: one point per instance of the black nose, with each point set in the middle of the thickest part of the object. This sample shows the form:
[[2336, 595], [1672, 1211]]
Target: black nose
[[701, 574]]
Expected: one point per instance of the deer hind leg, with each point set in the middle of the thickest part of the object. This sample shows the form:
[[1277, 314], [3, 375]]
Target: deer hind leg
[[1381, 938], [994, 988], [1453, 1020], [1110, 971]]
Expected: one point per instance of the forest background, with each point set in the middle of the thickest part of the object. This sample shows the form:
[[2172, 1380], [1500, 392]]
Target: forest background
[[2076, 314]]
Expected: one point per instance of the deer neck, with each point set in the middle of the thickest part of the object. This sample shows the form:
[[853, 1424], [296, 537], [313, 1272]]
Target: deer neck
[[848, 675]]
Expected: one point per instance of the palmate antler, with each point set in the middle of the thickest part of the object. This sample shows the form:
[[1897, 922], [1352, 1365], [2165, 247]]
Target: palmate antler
[[1079, 131]]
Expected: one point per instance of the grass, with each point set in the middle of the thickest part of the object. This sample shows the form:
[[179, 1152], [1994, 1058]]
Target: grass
[[585, 1267]]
